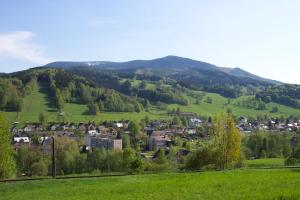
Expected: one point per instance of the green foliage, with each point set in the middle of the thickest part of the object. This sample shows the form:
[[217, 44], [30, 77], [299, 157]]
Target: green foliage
[[176, 120], [39, 168], [11, 95], [261, 106], [42, 118], [7, 163], [227, 141], [93, 109], [269, 145], [209, 100], [275, 109], [66, 154], [161, 157], [125, 141], [184, 121], [162, 95], [30, 161], [134, 129], [200, 158], [69, 92], [294, 159], [283, 94]]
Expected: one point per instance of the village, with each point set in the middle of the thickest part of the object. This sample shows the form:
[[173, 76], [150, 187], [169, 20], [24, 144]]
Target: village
[[158, 133]]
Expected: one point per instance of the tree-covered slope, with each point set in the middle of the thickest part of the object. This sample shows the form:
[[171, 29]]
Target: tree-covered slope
[[81, 93]]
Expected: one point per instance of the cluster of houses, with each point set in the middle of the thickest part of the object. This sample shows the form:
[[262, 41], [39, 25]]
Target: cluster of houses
[[104, 137], [248, 126], [109, 135]]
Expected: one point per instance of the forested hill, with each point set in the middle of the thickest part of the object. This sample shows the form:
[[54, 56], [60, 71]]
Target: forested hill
[[283, 94], [165, 66]]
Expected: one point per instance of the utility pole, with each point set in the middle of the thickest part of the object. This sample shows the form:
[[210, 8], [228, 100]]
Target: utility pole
[[294, 144], [53, 159]]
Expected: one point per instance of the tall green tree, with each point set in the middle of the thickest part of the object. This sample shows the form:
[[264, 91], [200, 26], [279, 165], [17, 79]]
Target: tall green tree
[[43, 118], [134, 128], [7, 163], [227, 141], [93, 109]]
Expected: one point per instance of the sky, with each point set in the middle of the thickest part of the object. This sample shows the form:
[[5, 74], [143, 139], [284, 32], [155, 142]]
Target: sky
[[262, 37]]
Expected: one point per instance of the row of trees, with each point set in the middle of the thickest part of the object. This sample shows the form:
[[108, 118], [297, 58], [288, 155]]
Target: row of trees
[[267, 145], [252, 103], [66, 87], [110, 80]]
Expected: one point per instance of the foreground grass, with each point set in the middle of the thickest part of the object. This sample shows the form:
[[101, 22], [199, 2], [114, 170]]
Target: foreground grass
[[236, 184]]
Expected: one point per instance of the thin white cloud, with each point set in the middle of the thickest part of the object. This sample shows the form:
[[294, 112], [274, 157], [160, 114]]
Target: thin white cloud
[[19, 45]]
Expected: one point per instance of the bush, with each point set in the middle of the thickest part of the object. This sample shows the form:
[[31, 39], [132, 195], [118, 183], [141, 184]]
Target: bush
[[199, 159], [291, 161], [155, 167], [136, 166], [39, 168]]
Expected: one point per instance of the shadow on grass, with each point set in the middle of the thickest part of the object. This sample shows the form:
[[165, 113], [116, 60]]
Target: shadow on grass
[[87, 113], [295, 170], [49, 98], [287, 197]]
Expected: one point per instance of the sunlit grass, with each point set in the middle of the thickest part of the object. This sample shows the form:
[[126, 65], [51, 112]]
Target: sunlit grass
[[223, 185]]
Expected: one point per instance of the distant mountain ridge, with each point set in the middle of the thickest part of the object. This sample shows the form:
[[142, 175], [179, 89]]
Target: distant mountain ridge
[[168, 62]]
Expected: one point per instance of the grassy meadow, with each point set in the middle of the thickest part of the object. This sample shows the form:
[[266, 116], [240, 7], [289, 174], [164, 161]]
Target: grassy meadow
[[236, 184]]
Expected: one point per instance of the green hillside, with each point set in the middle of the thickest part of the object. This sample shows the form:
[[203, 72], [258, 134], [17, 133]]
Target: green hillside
[[223, 185], [84, 94], [220, 103], [38, 101]]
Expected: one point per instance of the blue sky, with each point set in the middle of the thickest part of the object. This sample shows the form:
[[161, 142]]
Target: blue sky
[[262, 37]]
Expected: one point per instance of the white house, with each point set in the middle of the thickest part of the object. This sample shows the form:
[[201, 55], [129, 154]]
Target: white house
[[21, 139], [195, 122]]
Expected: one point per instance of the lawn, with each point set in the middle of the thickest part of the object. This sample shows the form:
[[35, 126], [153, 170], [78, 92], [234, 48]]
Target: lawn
[[236, 184]]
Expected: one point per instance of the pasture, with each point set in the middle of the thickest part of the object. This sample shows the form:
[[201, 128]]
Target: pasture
[[218, 185]]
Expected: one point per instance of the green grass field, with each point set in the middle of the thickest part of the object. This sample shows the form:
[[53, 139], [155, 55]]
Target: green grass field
[[38, 102], [224, 185]]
